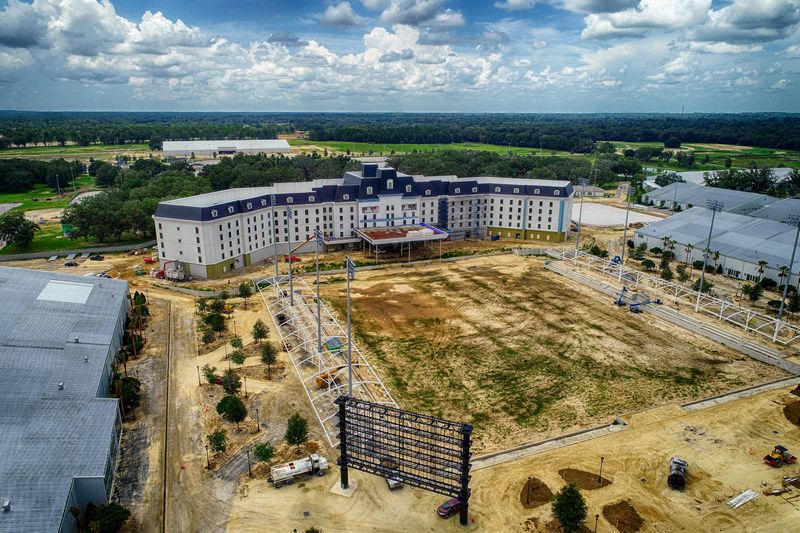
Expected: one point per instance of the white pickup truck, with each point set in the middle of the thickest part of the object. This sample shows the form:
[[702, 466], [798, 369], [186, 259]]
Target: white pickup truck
[[284, 474]]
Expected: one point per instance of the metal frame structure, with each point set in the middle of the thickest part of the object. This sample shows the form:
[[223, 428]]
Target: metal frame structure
[[776, 330], [297, 326], [419, 450]]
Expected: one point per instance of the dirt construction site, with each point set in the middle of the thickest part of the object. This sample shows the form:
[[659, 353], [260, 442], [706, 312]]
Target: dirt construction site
[[542, 367]]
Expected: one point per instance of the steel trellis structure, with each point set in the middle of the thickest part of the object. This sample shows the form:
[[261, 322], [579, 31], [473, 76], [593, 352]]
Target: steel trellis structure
[[322, 373], [776, 330]]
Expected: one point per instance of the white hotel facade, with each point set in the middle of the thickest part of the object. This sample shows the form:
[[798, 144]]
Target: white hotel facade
[[210, 234]]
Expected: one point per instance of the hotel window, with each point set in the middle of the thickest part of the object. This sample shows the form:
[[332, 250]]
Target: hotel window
[[345, 197], [230, 209], [408, 188], [427, 192], [263, 202], [389, 184], [474, 189], [249, 205], [516, 190], [213, 212], [290, 200], [310, 198], [458, 190], [557, 193], [497, 189], [369, 190]]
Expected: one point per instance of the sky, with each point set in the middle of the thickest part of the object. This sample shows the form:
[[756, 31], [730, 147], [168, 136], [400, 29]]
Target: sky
[[537, 56]]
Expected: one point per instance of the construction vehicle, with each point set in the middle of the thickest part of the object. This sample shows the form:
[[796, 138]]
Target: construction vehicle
[[176, 274], [621, 299], [779, 456], [149, 260], [286, 473], [228, 309], [328, 378], [677, 473], [636, 307], [291, 258], [617, 260]]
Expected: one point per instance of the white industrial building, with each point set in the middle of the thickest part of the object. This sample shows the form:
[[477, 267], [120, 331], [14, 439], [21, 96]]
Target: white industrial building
[[211, 234], [688, 195], [225, 147], [742, 241]]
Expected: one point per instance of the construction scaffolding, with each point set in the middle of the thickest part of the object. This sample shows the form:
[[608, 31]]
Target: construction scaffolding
[[322, 368], [778, 331]]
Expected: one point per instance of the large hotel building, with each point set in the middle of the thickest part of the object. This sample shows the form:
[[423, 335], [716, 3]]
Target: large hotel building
[[210, 234]]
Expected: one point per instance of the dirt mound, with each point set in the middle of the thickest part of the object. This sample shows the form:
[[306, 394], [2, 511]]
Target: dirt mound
[[792, 412], [582, 479], [554, 526], [623, 516], [534, 493]]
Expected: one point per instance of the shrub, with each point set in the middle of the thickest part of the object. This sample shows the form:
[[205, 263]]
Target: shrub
[[216, 305], [210, 373], [666, 273], [236, 342], [656, 250], [769, 284], [108, 518], [231, 383], [259, 331], [232, 409], [268, 356], [707, 285], [296, 430], [217, 441], [238, 357], [263, 451], [647, 264], [215, 321]]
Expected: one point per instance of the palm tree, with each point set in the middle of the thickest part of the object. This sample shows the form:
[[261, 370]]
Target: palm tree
[[783, 271], [716, 258], [761, 265], [689, 248]]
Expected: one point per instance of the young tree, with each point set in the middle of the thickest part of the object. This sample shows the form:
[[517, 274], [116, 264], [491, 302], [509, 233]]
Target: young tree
[[794, 302], [666, 273], [245, 291], [707, 285], [647, 264], [263, 451], [656, 251], [108, 518], [259, 331], [296, 430], [202, 305], [236, 342], [208, 335], [268, 356], [210, 373], [232, 409], [17, 230], [569, 508], [683, 275], [237, 356], [753, 292], [216, 305], [130, 388], [231, 383], [215, 321], [217, 441]]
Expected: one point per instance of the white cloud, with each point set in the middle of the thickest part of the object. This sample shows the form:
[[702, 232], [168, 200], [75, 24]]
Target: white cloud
[[341, 15], [411, 12], [21, 25], [649, 15], [538, 45], [793, 51], [514, 5], [747, 21], [724, 48], [780, 85]]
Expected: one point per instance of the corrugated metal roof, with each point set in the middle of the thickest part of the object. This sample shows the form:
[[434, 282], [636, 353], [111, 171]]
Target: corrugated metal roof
[[216, 146], [49, 436], [779, 211]]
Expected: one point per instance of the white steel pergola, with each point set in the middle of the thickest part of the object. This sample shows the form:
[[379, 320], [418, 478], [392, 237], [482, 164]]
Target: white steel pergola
[[778, 331], [297, 326]]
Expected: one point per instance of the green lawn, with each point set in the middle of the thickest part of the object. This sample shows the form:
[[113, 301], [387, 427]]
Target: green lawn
[[73, 150], [43, 197], [740, 157], [50, 238], [361, 148]]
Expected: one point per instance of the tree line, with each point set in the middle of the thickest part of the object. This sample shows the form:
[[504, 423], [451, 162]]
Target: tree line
[[755, 179], [575, 133], [22, 175]]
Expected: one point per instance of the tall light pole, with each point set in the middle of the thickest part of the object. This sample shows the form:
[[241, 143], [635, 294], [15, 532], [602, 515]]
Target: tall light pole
[[794, 220], [320, 242], [625, 232], [289, 216], [274, 235], [351, 274], [714, 206], [582, 182]]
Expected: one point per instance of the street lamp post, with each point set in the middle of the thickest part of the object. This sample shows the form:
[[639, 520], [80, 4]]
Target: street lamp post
[[794, 220], [274, 236], [625, 232], [199, 382], [289, 216], [582, 182], [320, 242], [351, 274], [245, 386], [258, 422], [714, 206], [208, 461], [600, 475], [249, 470]]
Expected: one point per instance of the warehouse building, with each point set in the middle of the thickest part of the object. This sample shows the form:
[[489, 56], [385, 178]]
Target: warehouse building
[[210, 234], [742, 241], [59, 430], [780, 210], [688, 195], [225, 147]]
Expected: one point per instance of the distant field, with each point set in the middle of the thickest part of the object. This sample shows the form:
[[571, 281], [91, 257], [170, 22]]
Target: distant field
[[358, 148], [94, 150], [43, 197], [741, 156]]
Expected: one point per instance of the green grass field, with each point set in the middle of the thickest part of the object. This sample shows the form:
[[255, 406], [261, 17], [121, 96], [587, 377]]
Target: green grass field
[[54, 152], [50, 238], [43, 197], [741, 157], [377, 149]]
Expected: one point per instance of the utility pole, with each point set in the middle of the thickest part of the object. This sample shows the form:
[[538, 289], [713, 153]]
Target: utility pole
[[320, 242], [289, 216], [794, 220], [274, 236], [351, 274], [582, 182], [625, 233], [714, 206]]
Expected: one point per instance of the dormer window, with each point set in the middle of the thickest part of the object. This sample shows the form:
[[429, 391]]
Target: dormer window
[[516, 190], [497, 189], [310, 198], [557, 193], [536, 191], [474, 189], [458, 190], [230, 209], [369, 189], [390, 184], [263, 202], [408, 188], [214, 213], [249, 205], [289, 200], [345, 197], [427, 192]]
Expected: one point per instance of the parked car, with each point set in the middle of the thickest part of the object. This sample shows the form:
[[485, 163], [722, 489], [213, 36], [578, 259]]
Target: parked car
[[96, 257], [449, 508], [70, 264]]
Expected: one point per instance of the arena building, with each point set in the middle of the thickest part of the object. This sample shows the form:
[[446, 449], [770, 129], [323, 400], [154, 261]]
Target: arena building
[[225, 147], [210, 234]]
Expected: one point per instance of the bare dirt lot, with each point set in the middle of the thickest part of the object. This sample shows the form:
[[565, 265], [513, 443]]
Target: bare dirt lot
[[522, 354]]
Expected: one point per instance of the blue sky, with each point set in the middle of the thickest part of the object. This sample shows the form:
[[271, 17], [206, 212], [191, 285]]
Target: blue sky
[[401, 55]]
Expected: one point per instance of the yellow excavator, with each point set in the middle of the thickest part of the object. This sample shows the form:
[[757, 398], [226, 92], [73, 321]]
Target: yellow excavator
[[326, 379]]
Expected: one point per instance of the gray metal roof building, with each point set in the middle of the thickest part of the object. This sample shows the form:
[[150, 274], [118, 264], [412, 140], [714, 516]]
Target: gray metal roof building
[[223, 147], [59, 431], [689, 195], [779, 211], [742, 241]]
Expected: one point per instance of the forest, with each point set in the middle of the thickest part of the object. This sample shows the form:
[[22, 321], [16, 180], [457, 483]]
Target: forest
[[567, 132]]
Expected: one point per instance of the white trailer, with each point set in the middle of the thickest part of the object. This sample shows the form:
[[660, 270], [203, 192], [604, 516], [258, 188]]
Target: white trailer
[[284, 474]]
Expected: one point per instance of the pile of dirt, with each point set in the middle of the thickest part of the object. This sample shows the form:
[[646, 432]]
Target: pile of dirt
[[792, 412], [623, 516], [534, 493], [582, 479], [554, 526]]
